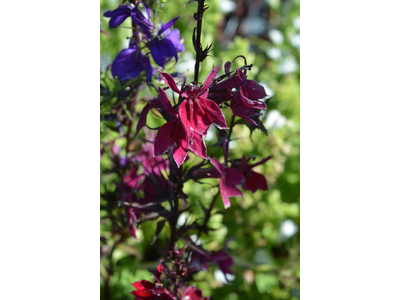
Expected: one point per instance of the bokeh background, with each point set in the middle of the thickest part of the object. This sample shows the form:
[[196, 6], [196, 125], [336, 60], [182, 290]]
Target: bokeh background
[[264, 227]]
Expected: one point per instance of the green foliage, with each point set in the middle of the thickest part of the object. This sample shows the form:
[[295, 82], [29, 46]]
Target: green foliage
[[266, 261]]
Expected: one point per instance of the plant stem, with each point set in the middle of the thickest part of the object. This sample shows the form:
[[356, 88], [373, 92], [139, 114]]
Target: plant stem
[[199, 14], [207, 216]]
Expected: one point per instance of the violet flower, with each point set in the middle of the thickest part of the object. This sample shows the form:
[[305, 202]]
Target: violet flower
[[129, 63], [165, 44], [121, 13]]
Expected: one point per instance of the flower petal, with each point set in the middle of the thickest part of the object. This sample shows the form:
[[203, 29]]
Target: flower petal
[[181, 147], [170, 82], [168, 25], [198, 146], [166, 103], [163, 139], [233, 176], [214, 113], [251, 103], [143, 116], [210, 79], [255, 181], [217, 165], [228, 191], [255, 91], [118, 15], [127, 64]]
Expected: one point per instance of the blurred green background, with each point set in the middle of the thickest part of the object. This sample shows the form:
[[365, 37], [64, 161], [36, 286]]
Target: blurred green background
[[264, 226]]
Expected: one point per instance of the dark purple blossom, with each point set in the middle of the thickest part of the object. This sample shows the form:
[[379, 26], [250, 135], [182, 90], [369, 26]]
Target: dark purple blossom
[[165, 44], [119, 15], [129, 63]]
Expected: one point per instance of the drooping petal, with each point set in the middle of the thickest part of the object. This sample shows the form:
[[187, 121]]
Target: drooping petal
[[170, 82], [255, 91], [118, 15], [228, 191], [198, 146], [143, 116], [255, 181], [165, 102], [217, 165], [210, 78], [251, 103], [168, 25], [127, 64], [174, 37], [229, 83], [233, 176], [214, 113], [156, 50], [163, 139], [181, 147]]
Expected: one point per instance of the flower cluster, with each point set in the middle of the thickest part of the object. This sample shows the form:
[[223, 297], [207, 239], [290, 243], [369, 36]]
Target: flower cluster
[[176, 277], [163, 43]]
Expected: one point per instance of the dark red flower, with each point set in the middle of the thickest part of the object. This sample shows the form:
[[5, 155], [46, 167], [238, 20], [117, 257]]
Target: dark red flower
[[145, 290], [253, 180], [174, 135], [229, 178], [251, 90], [196, 111], [192, 293]]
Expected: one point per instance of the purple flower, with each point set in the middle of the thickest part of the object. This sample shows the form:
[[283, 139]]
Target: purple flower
[[166, 44], [120, 14], [129, 63]]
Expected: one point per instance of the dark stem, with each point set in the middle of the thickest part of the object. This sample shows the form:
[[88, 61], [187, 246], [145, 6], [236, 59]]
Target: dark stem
[[230, 134], [207, 216], [199, 14]]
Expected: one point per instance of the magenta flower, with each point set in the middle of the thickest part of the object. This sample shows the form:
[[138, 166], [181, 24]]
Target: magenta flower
[[192, 293], [253, 181], [251, 90], [241, 109], [173, 135], [229, 178], [196, 111], [145, 290]]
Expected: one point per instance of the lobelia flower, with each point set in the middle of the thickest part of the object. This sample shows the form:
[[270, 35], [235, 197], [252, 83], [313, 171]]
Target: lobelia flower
[[196, 111], [129, 63], [121, 13], [253, 180], [229, 178], [192, 293], [166, 44], [173, 135], [221, 258], [240, 109], [145, 290]]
